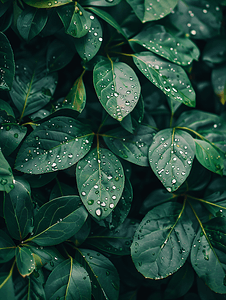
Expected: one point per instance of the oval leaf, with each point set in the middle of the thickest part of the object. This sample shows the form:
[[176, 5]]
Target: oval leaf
[[101, 189], [6, 175], [117, 87], [171, 156], [46, 3], [25, 261], [7, 247]]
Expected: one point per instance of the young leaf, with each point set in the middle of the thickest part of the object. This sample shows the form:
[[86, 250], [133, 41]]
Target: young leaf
[[6, 175], [54, 145], [171, 156], [32, 88], [101, 189], [7, 64], [25, 261], [46, 3], [162, 241], [131, 147], [69, 280], [58, 220], [179, 50], [88, 45], [7, 247], [102, 273], [31, 22], [168, 77], [149, 11], [18, 210], [208, 252], [117, 87], [209, 156]]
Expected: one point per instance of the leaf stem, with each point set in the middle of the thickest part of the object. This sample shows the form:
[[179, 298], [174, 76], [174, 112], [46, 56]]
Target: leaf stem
[[8, 277], [117, 45], [207, 202], [102, 124]]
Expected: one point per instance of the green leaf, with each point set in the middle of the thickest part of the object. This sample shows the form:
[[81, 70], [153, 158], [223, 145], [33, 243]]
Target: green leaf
[[46, 3], [7, 64], [102, 273], [4, 7], [149, 11], [131, 147], [32, 87], [162, 241], [25, 261], [177, 49], [75, 19], [7, 108], [101, 189], [31, 22], [198, 19], [69, 280], [88, 45], [18, 210], [7, 247], [171, 156], [61, 142], [168, 77], [208, 252], [59, 55], [215, 50], [82, 234], [117, 241], [209, 156], [11, 133], [58, 220], [101, 2], [76, 98], [117, 87], [218, 206], [62, 189], [6, 175], [218, 79]]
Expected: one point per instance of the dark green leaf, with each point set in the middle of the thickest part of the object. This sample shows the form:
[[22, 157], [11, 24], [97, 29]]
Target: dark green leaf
[[32, 87], [31, 22], [18, 210], [131, 147], [37, 181], [218, 206], [102, 273], [101, 189], [215, 50], [69, 280], [209, 156], [7, 108], [149, 11], [168, 77], [7, 290], [171, 156], [198, 19], [7, 247], [162, 241], [25, 261], [46, 3], [88, 46], [4, 7], [117, 87], [54, 145], [218, 79], [177, 49], [62, 189], [82, 234], [59, 55], [7, 64], [58, 220], [6, 175], [101, 2]]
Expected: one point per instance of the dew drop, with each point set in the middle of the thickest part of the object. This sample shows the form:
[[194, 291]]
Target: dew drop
[[98, 212]]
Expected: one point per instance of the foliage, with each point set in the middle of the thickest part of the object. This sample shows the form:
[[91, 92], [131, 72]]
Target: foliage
[[112, 149]]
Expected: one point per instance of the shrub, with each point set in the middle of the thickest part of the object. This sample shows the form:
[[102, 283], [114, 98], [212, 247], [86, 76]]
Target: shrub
[[113, 140]]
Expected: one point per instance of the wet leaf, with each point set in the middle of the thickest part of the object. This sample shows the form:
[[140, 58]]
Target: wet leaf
[[171, 156], [7, 247], [162, 241], [6, 175], [101, 189], [101, 2], [46, 3], [25, 261], [168, 77], [117, 87], [218, 79]]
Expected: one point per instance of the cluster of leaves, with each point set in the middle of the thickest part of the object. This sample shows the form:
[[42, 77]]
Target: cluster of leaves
[[113, 149]]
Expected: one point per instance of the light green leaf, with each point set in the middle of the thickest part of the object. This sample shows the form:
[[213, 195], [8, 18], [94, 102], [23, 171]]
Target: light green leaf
[[7, 63], [46, 3], [149, 11], [131, 147], [209, 156], [102, 273], [168, 77], [6, 175], [7, 247], [61, 142], [25, 261], [162, 241], [101, 189], [117, 87], [58, 220], [69, 280], [171, 156]]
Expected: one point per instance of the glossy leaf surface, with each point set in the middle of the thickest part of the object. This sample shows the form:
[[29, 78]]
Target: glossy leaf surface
[[101, 190], [6, 175], [25, 261], [46, 3], [117, 87], [7, 247]]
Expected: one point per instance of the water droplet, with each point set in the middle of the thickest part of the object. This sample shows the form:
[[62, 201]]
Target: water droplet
[[98, 212]]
